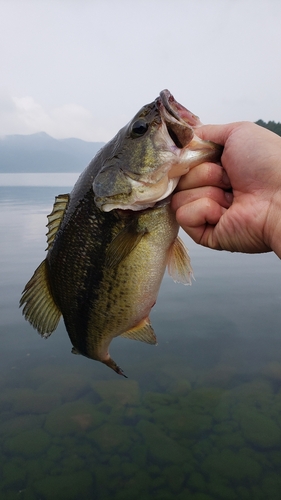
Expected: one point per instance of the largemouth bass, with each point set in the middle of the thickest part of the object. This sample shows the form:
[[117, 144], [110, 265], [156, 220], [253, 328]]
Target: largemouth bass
[[111, 238]]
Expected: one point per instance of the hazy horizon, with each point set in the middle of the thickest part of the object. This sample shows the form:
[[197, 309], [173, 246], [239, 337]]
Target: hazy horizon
[[84, 69]]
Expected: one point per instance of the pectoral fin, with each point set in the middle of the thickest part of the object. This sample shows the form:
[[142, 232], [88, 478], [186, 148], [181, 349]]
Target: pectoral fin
[[179, 266], [122, 245], [143, 332], [39, 306]]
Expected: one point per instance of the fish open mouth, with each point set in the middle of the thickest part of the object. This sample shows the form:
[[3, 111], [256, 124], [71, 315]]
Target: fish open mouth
[[177, 149], [181, 128], [174, 137], [176, 118], [177, 110]]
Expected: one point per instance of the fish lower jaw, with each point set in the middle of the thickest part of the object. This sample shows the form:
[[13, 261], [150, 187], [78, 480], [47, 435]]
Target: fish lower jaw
[[145, 199]]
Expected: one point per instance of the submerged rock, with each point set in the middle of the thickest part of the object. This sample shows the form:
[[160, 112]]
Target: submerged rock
[[232, 466], [113, 437], [54, 453], [28, 443], [66, 486], [175, 477], [221, 490], [34, 469], [139, 454], [220, 375], [179, 387], [271, 486], [73, 417], [197, 496], [222, 412], [12, 475], [233, 441], [255, 394], [19, 424], [154, 400], [136, 487], [203, 400], [181, 423], [36, 402], [258, 429], [160, 447], [25, 400], [197, 482], [65, 381], [118, 392], [272, 371]]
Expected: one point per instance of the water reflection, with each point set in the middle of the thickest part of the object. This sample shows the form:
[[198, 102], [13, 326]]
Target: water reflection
[[199, 416]]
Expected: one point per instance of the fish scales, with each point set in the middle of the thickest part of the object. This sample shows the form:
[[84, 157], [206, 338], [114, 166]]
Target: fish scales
[[111, 239], [100, 296]]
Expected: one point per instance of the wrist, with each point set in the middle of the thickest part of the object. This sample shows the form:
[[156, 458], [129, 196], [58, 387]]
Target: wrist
[[274, 225]]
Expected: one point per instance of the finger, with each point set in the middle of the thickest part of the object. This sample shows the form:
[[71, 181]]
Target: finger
[[205, 174], [216, 133], [218, 195], [199, 218]]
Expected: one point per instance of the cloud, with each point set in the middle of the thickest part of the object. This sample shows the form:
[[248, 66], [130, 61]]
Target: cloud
[[23, 115], [73, 74]]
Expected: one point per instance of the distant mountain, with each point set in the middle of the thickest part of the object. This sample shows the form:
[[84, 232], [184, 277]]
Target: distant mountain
[[273, 126], [42, 153]]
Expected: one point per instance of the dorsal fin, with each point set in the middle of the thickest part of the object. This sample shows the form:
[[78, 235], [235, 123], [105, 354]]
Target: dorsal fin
[[39, 306], [55, 217], [179, 266], [143, 332]]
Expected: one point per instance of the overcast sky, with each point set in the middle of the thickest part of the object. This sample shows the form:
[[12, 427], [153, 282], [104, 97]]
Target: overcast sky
[[83, 68]]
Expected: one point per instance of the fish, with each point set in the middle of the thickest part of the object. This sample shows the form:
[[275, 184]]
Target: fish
[[111, 238]]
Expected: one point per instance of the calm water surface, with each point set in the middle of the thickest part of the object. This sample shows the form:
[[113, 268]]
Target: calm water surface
[[199, 416]]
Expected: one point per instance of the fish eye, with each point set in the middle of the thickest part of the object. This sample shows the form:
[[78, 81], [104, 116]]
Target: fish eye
[[139, 128]]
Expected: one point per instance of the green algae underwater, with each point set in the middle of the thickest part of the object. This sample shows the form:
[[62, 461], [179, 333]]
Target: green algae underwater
[[199, 416]]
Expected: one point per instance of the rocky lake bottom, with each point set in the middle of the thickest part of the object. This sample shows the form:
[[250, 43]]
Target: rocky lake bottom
[[198, 418]]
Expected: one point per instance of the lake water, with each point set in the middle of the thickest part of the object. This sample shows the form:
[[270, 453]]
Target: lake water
[[199, 416]]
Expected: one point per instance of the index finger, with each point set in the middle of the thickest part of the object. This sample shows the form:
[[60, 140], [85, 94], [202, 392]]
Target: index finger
[[205, 174], [216, 133]]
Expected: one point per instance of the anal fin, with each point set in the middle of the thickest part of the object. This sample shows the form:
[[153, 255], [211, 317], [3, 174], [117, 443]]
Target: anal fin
[[39, 306], [142, 332]]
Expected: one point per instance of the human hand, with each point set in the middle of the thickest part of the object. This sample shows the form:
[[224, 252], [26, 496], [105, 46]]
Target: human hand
[[247, 218]]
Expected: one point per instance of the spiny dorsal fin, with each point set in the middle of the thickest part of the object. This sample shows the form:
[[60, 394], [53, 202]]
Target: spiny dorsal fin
[[143, 332], [122, 245], [179, 266], [55, 217], [39, 306]]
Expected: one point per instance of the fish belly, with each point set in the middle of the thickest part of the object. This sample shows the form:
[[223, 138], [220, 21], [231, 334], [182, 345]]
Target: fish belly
[[129, 292]]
